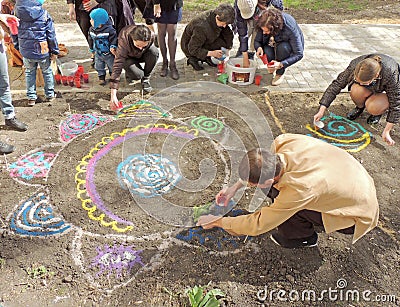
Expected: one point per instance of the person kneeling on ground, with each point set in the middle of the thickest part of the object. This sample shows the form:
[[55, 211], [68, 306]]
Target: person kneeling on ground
[[281, 39], [102, 42], [6, 105], [374, 83], [206, 34], [135, 46], [316, 184]]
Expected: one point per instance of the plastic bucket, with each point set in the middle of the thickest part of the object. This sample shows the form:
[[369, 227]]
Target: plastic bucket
[[240, 75], [69, 68]]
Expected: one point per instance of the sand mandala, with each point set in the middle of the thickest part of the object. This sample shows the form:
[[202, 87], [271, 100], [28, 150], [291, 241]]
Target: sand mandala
[[207, 124], [35, 165], [35, 217], [77, 124], [142, 108], [342, 132], [116, 259], [147, 175]]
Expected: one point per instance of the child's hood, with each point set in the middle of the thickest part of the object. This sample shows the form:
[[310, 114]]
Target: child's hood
[[29, 10]]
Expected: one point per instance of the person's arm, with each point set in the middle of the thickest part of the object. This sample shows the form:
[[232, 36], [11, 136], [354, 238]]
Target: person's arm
[[51, 37], [71, 10], [386, 134], [296, 41], [196, 43]]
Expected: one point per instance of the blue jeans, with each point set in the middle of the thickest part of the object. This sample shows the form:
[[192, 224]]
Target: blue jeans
[[5, 95], [101, 61], [279, 53], [30, 77]]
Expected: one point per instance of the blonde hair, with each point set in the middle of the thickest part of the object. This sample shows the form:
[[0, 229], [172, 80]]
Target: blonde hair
[[368, 68]]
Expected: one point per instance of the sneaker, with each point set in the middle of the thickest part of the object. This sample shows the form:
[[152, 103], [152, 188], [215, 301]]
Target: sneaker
[[31, 102], [50, 99], [373, 119], [6, 148], [310, 241], [356, 112], [278, 79], [16, 124], [146, 85]]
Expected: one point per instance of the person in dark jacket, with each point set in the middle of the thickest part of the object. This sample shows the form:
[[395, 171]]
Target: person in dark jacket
[[135, 46], [247, 13], [6, 105], [38, 45], [206, 34], [168, 13], [102, 42], [374, 83], [281, 39]]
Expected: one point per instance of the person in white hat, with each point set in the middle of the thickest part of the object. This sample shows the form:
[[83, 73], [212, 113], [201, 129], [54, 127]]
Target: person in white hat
[[247, 13]]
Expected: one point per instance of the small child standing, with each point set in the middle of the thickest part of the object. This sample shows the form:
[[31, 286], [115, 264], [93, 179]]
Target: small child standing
[[102, 42], [38, 45]]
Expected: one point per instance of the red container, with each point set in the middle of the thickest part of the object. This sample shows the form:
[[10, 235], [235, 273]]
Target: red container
[[64, 80], [13, 25], [264, 58], [57, 77], [237, 65], [221, 68], [79, 71], [77, 82], [85, 77], [257, 79], [71, 80], [118, 107]]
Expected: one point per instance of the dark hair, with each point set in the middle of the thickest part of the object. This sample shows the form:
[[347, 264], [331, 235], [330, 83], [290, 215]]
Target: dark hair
[[225, 12], [141, 33], [259, 165], [368, 68], [271, 18]]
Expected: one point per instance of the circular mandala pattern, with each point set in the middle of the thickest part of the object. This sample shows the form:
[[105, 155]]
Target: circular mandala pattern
[[35, 165], [141, 108], [77, 124], [147, 175], [208, 124]]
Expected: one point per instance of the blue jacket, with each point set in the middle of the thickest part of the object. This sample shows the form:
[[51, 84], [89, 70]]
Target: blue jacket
[[36, 33], [291, 33], [102, 39], [240, 24]]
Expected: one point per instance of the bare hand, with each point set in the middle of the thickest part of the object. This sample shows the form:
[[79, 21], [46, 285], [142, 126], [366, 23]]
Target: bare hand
[[217, 53], [259, 52], [71, 13], [319, 115], [387, 138], [53, 57], [246, 63], [90, 5], [157, 10], [209, 221], [113, 51]]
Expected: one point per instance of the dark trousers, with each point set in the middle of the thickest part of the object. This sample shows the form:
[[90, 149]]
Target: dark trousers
[[279, 53], [301, 225], [133, 69]]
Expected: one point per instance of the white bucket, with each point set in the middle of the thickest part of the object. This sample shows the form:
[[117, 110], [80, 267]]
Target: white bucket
[[69, 68], [240, 75]]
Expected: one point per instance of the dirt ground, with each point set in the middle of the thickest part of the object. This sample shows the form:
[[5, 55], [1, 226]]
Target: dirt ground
[[75, 231]]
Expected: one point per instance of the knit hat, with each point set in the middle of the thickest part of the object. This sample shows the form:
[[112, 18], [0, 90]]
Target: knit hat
[[247, 8], [99, 16], [41, 2]]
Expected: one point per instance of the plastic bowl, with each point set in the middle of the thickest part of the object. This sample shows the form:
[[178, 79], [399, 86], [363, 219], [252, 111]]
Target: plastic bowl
[[69, 68]]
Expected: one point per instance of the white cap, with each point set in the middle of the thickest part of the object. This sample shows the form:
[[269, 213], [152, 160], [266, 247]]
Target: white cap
[[247, 8]]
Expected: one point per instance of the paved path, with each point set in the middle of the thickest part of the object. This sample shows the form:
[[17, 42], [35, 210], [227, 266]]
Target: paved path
[[328, 50]]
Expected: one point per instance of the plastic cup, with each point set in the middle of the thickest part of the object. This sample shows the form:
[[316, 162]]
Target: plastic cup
[[77, 82], [71, 80], [264, 58], [271, 67], [118, 107], [57, 77], [13, 25], [85, 77], [257, 79], [80, 71], [318, 125], [64, 80]]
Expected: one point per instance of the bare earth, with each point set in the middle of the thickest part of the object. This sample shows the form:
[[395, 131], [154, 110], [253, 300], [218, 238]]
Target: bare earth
[[90, 259]]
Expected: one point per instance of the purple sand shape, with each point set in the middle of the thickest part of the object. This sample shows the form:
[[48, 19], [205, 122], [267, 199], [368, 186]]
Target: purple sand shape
[[91, 187]]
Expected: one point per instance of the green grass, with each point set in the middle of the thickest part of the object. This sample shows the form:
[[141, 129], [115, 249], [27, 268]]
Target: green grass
[[316, 5], [203, 5]]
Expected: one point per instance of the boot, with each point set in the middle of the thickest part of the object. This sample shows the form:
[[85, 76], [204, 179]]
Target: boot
[[210, 62], [174, 71], [373, 119], [195, 63], [164, 69], [15, 124], [356, 112]]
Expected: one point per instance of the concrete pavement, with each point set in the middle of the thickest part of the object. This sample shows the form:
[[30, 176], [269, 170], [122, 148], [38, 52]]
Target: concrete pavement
[[328, 50]]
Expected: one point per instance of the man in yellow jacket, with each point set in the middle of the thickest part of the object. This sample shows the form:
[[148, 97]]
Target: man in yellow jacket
[[318, 184]]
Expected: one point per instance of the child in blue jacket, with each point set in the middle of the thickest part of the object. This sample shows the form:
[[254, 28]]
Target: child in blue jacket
[[38, 45], [102, 40]]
